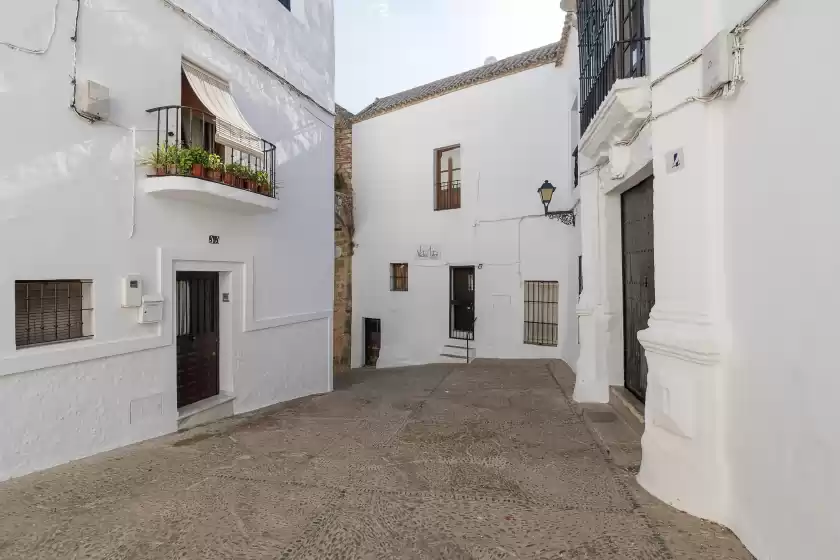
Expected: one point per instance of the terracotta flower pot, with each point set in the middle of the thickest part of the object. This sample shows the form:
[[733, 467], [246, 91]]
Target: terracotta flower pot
[[238, 182], [214, 175], [197, 170], [228, 179], [172, 169], [160, 170]]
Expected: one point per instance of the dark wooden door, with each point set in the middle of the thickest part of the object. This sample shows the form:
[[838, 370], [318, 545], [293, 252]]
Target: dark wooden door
[[462, 302], [637, 271], [197, 304], [373, 337]]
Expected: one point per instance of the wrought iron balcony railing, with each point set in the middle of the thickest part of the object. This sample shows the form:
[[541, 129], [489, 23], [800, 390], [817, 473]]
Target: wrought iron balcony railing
[[613, 46], [448, 195], [194, 143]]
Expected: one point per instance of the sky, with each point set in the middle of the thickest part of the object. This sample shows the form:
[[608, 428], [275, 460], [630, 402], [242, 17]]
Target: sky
[[387, 46]]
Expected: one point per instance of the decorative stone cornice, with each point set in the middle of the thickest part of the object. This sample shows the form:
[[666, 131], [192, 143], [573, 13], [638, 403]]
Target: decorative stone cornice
[[618, 120]]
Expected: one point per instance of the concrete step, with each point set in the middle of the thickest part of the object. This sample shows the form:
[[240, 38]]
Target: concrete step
[[454, 348], [206, 411], [631, 409]]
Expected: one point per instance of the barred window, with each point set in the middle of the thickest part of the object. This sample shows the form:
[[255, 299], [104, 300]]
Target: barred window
[[399, 277], [50, 311], [541, 299]]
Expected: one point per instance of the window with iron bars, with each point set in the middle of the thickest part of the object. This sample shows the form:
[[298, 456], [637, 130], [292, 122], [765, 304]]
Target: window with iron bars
[[541, 315], [50, 311], [613, 45], [448, 178], [399, 277]]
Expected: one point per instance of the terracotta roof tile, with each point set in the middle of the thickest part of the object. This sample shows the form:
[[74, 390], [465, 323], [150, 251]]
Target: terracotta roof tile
[[505, 67]]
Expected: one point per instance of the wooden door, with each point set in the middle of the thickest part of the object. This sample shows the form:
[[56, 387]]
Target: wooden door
[[462, 303], [637, 271], [197, 304]]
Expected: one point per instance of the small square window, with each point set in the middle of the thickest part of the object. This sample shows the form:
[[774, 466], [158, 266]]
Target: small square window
[[287, 4], [50, 311], [399, 277]]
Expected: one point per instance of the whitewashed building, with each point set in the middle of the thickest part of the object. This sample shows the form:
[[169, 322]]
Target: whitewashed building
[[133, 304], [454, 254], [708, 214]]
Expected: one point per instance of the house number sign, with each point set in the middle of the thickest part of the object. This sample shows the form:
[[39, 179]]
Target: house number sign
[[428, 252], [214, 240]]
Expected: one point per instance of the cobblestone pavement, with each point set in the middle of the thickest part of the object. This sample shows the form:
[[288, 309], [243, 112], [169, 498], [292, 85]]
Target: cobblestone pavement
[[487, 461]]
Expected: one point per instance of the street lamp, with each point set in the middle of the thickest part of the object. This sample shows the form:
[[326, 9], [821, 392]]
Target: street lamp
[[546, 193]]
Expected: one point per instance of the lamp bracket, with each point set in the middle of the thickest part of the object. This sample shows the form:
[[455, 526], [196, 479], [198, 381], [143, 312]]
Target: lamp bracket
[[564, 216]]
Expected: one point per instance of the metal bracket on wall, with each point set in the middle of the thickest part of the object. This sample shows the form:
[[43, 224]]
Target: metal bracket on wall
[[565, 216]]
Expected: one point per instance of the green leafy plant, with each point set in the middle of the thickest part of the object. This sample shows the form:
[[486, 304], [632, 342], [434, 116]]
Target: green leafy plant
[[165, 160], [214, 167], [263, 182], [214, 162], [193, 161], [239, 172]]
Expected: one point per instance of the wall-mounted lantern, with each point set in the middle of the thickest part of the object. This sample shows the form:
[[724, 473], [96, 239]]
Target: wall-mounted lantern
[[546, 192]]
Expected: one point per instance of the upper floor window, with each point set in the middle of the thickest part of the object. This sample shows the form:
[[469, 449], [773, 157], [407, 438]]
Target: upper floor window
[[287, 4], [448, 178], [49, 311], [611, 35]]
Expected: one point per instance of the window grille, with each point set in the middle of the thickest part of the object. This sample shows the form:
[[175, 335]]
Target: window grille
[[612, 43], [399, 277], [448, 178], [541, 301], [50, 311]]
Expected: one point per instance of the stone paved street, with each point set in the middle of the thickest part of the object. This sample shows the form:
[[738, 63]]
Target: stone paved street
[[487, 461]]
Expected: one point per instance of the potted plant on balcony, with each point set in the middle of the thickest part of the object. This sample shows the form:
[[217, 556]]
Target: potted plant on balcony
[[214, 167], [263, 183], [239, 172], [156, 160], [251, 180], [193, 161], [228, 176], [171, 158], [164, 160]]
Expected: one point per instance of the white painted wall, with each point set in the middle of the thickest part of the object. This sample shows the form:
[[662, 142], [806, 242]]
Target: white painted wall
[[782, 300], [68, 196], [514, 133]]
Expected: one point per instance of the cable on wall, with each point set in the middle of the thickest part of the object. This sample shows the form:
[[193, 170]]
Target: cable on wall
[[49, 39], [75, 39], [741, 28]]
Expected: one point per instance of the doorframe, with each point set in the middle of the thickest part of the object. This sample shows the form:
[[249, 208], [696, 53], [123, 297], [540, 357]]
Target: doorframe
[[611, 273], [451, 326], [228, 283]]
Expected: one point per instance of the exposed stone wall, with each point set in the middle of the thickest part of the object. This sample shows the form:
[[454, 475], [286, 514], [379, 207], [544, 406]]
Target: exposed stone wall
[[343, 304]]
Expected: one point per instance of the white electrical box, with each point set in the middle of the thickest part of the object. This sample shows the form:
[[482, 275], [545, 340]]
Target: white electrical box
[[718, 62], [94, 100], [151, 311], [132, 290]]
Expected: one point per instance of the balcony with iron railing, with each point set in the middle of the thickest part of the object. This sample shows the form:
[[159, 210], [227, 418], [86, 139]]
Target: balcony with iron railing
[[613, 46], [448, 195], [197, 152]]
